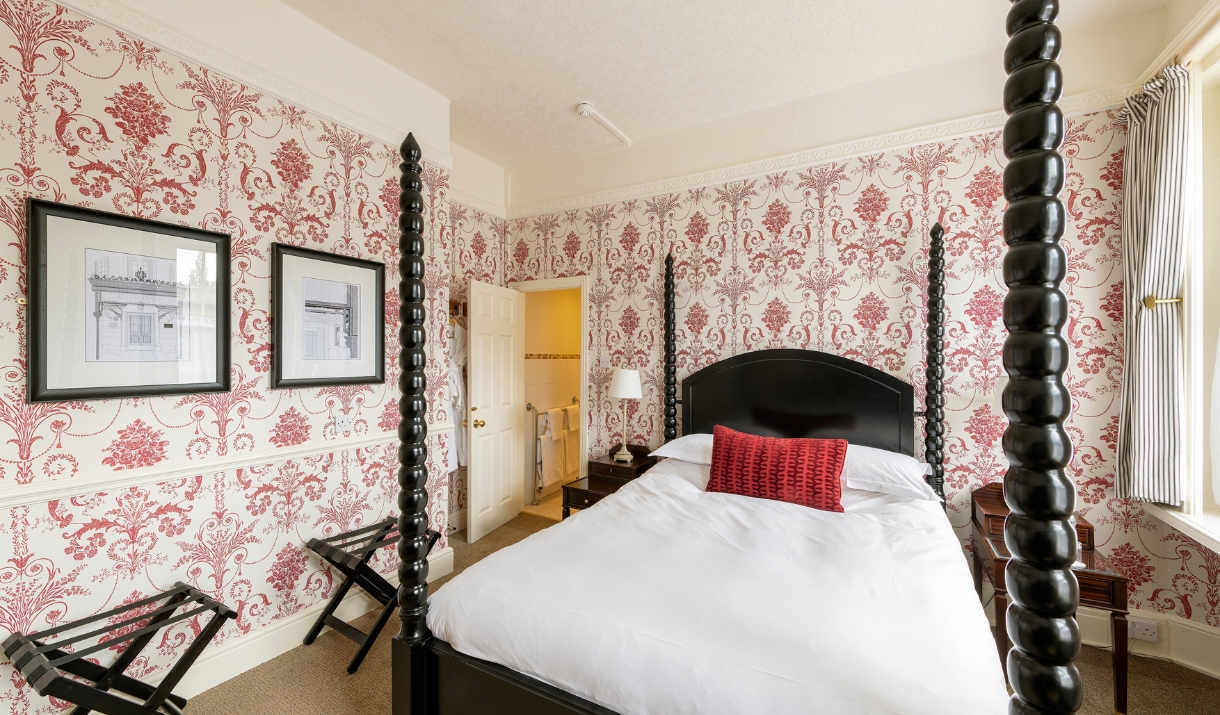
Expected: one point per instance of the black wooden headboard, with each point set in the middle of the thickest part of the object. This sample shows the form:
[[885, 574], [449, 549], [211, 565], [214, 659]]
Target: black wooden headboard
[[802, 393]]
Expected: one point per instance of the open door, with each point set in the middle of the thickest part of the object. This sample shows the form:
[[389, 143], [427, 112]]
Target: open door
[[494, 422]]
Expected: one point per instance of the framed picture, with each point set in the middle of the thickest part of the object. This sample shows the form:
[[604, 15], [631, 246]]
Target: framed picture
[[328, 319], [124, 307]]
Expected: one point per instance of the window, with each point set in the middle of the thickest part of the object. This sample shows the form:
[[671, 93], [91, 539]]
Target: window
[[1199, 515]]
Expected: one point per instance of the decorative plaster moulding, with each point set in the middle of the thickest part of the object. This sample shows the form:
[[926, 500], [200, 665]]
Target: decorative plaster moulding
[[45, 491], [1107, 98], [475, 202], [137, 24]]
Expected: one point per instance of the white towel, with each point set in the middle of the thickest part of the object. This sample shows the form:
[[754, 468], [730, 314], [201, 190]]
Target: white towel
[[551, 446], [571, 419], [457, 395], [457, 345], [554, 419], [457, 406]]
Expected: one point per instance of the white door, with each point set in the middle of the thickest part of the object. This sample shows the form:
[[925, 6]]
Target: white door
[[495, 417]]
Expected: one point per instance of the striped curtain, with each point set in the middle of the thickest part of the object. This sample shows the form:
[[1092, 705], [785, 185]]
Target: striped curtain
[[1153, 238]]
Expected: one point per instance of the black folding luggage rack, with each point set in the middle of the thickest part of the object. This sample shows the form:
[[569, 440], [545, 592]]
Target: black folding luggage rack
[[350, 553], [49, 668]]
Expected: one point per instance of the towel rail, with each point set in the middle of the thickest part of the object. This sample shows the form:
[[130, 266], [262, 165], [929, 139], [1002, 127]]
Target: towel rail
[[529, 407]]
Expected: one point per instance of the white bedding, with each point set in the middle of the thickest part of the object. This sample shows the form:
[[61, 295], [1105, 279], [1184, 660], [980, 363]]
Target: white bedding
[[665, 599]]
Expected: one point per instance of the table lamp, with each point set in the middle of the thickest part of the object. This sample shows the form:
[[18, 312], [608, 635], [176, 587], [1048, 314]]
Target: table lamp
[[625, 386]]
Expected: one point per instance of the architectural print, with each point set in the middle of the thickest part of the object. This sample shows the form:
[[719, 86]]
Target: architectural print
[[330, 327], [139, 310]]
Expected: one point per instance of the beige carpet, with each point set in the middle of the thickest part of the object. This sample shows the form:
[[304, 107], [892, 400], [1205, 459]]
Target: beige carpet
[[313, 680]]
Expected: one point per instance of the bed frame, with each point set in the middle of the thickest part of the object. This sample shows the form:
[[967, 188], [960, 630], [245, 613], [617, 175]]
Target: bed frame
[[826, 396]]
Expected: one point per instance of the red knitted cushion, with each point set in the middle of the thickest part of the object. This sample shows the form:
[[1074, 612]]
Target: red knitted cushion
[[801, 471]]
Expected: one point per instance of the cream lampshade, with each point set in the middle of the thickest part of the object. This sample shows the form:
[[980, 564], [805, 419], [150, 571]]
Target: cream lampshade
[[625, 385]]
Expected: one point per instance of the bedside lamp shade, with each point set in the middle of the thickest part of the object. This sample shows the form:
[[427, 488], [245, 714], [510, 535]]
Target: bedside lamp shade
[[626, 384]]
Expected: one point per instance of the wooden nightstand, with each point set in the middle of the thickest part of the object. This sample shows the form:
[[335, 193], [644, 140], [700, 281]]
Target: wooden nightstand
[[1101, 585], [607, 467], [605, 477]]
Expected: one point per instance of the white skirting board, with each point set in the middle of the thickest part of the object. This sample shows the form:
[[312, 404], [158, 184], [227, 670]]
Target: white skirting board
[[457, 521], [220, 663], [1188, 643]]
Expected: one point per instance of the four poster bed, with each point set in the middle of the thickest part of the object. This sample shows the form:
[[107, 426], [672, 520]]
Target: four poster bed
[[661, 607]]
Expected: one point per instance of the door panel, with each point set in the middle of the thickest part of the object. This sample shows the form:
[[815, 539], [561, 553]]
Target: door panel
[[495, 421]]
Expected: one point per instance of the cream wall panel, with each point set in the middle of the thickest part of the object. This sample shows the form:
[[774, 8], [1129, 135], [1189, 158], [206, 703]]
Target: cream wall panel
[[477, 182], [1179, 13], [552, 322]]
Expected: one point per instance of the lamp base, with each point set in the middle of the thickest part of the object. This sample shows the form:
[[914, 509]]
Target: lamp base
[[622, 455]]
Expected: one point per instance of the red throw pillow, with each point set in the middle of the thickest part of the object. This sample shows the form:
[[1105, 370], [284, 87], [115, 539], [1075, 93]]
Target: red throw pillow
[[800, 471]]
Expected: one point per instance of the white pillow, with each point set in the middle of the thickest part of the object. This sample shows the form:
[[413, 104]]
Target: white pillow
[[878, 470], [696, 474], [695, 448], [867, 468]]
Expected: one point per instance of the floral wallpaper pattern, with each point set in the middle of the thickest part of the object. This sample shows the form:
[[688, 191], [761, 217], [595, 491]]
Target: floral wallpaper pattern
[[829, 257], [96, 118], [833, 257]]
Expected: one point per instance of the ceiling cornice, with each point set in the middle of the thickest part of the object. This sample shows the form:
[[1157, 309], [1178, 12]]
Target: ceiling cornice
[[135, 23], [1078, 104], [475, 202]]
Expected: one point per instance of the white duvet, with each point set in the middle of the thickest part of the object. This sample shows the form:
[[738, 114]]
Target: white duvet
[[665, 599]]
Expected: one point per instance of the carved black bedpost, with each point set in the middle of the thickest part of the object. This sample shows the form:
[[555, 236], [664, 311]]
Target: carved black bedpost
[[671, 367], [408, 657], [934, 402], [1043, 589]]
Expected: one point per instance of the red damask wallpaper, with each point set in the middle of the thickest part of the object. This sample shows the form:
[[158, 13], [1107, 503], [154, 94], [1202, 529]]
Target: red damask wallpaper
[[829, 257], [96, 118], [833, 257]]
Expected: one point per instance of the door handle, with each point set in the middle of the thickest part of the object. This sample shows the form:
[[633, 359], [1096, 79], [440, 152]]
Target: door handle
[[479, 423], [463, 423]]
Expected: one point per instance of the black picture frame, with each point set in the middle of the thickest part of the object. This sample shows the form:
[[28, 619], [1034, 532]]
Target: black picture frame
[[279, 307], [38, 212]]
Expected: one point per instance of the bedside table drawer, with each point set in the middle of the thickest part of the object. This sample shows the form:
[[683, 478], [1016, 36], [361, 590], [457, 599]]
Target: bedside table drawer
[[602, 469], [988, 511], [580, 499]]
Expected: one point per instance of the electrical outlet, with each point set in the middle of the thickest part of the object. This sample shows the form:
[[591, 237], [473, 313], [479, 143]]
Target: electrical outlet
[[343, 423], [1142, 630]]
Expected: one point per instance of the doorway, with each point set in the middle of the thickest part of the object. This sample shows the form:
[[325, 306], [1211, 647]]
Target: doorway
[[555, 369]]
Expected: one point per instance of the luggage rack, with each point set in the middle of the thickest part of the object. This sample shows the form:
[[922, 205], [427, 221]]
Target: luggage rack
[[350, 553], [55, 672]]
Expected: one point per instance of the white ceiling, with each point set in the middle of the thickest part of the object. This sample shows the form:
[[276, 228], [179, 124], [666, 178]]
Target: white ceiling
[[515, 69]]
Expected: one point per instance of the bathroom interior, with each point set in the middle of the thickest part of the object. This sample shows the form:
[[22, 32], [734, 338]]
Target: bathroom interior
[[554, 417]]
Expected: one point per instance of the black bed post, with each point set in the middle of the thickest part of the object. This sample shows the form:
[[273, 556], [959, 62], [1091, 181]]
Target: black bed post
[[934, 401], [671, 368], [410, 678], [1042, 497]]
